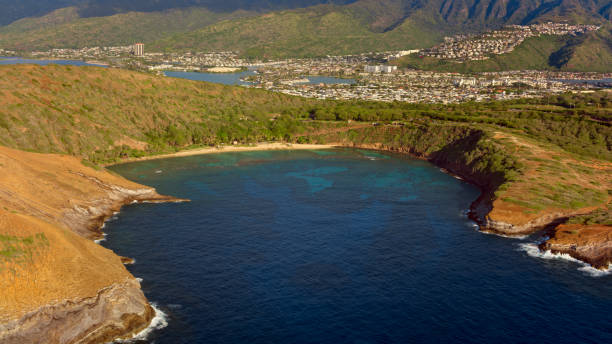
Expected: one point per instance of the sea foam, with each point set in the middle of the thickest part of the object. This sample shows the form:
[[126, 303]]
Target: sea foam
[[98, 241], [157, 323], [533, 251]]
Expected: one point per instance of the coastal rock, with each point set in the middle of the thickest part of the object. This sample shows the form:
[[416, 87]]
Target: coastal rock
[[86, 220], [499, 217], [589, 243], [117, 311], [481, 211], [57, 285]]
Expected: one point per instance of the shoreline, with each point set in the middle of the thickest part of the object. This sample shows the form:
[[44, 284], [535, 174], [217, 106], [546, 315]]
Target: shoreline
[[88, 296], [483, 202], [229, 149], [100, 221], [483, 205]]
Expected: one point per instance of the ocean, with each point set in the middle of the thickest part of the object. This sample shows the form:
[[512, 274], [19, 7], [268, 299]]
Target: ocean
[[341, 246]]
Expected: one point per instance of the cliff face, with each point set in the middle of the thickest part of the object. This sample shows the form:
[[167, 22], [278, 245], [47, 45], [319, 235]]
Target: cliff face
[[589, 243], [115, 311], [56, 285]]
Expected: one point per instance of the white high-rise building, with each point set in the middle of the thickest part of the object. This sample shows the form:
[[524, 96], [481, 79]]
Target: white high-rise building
[[138, 49], [388, 69], [379, 69]]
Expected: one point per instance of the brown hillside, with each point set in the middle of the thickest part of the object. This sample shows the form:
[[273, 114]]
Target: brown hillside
[[53, 281]]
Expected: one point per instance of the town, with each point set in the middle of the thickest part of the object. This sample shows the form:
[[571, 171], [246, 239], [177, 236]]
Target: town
[[369, 76], [434, 87], [503, 41]]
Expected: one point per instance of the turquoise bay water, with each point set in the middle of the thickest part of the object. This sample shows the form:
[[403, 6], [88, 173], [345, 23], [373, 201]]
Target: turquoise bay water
[[341, 246], [219, 78], [235, 78], [18, 60]]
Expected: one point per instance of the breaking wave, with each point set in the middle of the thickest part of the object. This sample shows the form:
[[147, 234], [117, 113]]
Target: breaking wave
[[98, 241], [533, 251], [112, 218], [159, 321]]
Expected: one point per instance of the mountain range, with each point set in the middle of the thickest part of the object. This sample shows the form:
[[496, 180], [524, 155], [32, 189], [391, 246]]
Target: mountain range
[[278, 28], [15, 10]]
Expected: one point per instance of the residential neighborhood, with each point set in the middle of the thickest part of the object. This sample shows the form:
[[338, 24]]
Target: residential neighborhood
[[367, 76], [496, 42]]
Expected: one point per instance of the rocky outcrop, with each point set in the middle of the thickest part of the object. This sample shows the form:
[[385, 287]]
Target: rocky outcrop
[[117, 311], [87, 220], [56, 284], [481, 209], [494, 216], [589, 243]]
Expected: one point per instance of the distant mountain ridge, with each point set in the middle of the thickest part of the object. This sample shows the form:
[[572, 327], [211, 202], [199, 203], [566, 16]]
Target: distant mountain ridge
[[288, 28], [14, 10], [386, 13]]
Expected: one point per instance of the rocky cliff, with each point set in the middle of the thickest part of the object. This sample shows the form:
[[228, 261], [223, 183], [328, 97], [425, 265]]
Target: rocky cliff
[[526, 186], [589, 243], [57, 285]]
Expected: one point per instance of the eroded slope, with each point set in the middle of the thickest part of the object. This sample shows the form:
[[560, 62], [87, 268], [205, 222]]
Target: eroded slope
[[56, 286]]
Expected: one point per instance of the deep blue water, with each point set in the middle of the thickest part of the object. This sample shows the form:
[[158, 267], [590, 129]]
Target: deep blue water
[[235, 78], [18, 60], [341, 246]]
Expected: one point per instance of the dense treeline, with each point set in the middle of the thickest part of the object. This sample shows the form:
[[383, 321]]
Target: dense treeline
[[105, 114], [447, 144], [577, 123]]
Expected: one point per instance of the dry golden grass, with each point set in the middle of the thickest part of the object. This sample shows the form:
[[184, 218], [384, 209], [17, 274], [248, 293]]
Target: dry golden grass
[[41, 260], [553, 181]]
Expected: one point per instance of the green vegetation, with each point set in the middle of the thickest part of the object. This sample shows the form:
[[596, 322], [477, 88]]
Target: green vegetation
[[65, 29], [346, 28], [536, 154], [593, 53], [15, 249], [533, 53], [568, 53], [314, 31], [600, 216], [562, 196], [100, 113], [576, 123], [105, 114]]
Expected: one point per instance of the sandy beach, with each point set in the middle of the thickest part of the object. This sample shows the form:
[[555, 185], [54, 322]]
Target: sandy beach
[[230, 148]]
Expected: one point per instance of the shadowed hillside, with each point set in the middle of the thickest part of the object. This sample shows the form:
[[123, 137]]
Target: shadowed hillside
[[590, 52], [285, 28], [15, 10], [316, 31], [65, 28]]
